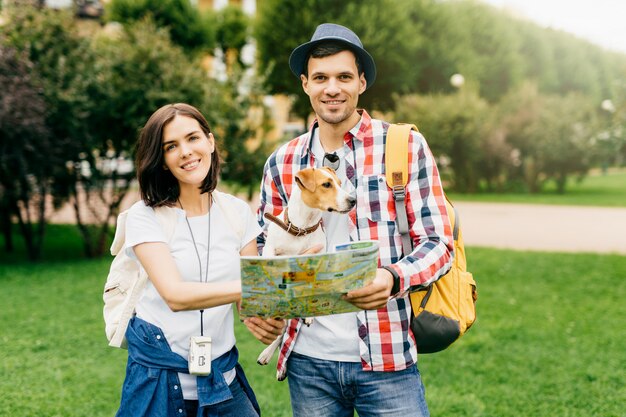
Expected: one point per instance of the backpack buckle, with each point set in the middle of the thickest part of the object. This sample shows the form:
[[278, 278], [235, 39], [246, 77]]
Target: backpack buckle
[[399, 193]]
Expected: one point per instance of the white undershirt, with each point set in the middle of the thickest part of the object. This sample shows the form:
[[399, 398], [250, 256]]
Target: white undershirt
[[142, 226], [335, 337]]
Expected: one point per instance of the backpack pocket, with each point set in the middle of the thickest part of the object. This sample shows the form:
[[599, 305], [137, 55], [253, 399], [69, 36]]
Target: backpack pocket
[[467, 300]]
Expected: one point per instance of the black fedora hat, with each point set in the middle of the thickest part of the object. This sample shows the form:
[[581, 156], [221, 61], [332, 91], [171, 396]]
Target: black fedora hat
[[333, 32]]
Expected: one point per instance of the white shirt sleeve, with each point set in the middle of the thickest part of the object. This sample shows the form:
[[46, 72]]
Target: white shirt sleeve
[[142, 226], [251, 228]]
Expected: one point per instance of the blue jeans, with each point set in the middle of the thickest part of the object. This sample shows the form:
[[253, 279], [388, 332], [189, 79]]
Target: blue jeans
[[238, 406], [152, 388], [321, 388]]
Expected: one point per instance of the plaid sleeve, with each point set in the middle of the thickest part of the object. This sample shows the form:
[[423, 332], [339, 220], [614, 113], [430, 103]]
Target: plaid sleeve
[[270, 196], [276, 185], [428, 219]]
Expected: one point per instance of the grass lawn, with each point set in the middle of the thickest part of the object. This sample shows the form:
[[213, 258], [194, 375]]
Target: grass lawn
[[594, 190], [546, 343]]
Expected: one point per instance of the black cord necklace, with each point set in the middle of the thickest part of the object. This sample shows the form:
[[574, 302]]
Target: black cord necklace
[[356, 184], [206, 274]]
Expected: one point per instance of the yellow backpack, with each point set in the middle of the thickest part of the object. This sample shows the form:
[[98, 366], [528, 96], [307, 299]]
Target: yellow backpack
[[444, 310]]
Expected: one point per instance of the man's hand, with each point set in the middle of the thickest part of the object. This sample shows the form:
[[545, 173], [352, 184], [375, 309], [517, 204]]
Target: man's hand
[[312, 250], [375, 295], [266, 330]]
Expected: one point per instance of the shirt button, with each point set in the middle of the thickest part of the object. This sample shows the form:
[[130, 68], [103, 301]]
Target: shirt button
[[175, 386], [158, 337], [180, 410]]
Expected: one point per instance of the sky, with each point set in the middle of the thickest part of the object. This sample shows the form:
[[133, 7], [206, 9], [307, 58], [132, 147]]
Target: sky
[[602, 22]]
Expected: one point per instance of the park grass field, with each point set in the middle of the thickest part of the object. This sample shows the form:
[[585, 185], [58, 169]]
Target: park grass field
[[548, 341], [596, 189]]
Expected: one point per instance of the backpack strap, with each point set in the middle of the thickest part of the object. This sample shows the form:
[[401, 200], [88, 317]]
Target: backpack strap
[[397, 174], [167, 217], [455, 221], [229, 211], [120, 233]]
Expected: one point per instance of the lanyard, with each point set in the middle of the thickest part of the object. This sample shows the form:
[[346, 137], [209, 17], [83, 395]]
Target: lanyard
[[208, 246]]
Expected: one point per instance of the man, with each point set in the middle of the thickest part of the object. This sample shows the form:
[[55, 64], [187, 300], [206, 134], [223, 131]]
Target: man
[[363, 361]]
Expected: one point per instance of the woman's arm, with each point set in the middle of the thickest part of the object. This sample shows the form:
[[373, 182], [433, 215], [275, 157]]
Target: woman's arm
[[180, 295]]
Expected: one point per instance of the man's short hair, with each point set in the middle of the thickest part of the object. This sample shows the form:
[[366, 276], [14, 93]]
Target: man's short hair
[[330, 48]]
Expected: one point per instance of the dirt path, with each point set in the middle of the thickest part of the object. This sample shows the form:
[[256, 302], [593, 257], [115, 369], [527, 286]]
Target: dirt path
[[518, 226], [544, 227]]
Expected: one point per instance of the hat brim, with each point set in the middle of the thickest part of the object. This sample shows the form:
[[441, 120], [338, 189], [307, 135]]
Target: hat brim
[[298, 57]]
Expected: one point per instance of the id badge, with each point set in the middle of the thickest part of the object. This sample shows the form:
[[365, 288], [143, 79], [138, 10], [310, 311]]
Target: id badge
[[200, 355]]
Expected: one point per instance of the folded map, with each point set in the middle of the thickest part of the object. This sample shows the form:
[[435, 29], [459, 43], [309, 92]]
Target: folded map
[[306, 285]]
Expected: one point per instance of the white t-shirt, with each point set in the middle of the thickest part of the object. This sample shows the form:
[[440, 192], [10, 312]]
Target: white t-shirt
[[142, 226], [334, 337]]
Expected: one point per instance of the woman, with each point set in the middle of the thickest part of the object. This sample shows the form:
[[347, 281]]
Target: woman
[[194, 275]]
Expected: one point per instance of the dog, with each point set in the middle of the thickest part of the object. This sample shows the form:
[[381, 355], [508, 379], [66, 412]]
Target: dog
[[298, 228]]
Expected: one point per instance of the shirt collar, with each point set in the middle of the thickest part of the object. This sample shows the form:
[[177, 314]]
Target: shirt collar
[[358, 131]]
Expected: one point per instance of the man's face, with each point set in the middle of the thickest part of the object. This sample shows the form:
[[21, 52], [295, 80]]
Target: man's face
[[334, 86]]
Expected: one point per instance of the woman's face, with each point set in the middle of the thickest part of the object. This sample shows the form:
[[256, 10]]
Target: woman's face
[[187, 150]]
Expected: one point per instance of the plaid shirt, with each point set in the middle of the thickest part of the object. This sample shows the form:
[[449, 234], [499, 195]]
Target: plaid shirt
[[386, 342]]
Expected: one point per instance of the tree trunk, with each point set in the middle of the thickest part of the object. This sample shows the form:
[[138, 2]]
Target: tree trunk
[[26, 230], [531, 175], [7, 225], [561, 182], [95, 235]]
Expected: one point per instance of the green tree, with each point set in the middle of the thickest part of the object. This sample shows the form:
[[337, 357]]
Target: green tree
[[443, 47], [487, 46], [25, 150], [568, 125], [384, 27], [240, 120], [454, 126], [188, 27], [610, 140], [550, 134], [136, 71], [60, 61], [518, 112], [539, 59], [232, 32]]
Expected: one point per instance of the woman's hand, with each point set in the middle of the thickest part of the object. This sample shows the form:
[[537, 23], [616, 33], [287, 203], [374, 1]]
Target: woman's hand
[[266, 330]]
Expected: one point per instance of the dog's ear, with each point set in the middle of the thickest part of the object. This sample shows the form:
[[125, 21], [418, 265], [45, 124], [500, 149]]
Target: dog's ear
[[306, 179]]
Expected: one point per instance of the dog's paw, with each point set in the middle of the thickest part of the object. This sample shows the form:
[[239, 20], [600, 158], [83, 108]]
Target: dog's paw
[[262, 361], [265, 357], [308, 321]]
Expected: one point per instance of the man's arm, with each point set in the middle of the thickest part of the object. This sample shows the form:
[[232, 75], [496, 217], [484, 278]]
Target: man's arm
[[271, 197]]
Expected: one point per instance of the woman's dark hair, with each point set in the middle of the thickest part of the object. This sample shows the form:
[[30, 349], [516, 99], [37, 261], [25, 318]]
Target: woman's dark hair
[[157, 185]]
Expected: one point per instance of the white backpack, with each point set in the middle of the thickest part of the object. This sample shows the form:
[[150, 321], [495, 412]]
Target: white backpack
[[126, 280]]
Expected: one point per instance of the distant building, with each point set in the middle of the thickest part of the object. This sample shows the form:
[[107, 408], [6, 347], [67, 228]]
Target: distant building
[[84, 8]]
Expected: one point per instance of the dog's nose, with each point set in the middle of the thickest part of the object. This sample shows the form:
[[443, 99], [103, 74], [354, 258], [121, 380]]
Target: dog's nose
[[351, 201]]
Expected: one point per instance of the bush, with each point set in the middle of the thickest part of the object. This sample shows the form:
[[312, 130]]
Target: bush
[[186, 25]]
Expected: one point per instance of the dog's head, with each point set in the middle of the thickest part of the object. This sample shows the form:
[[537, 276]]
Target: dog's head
[[321, 189]]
